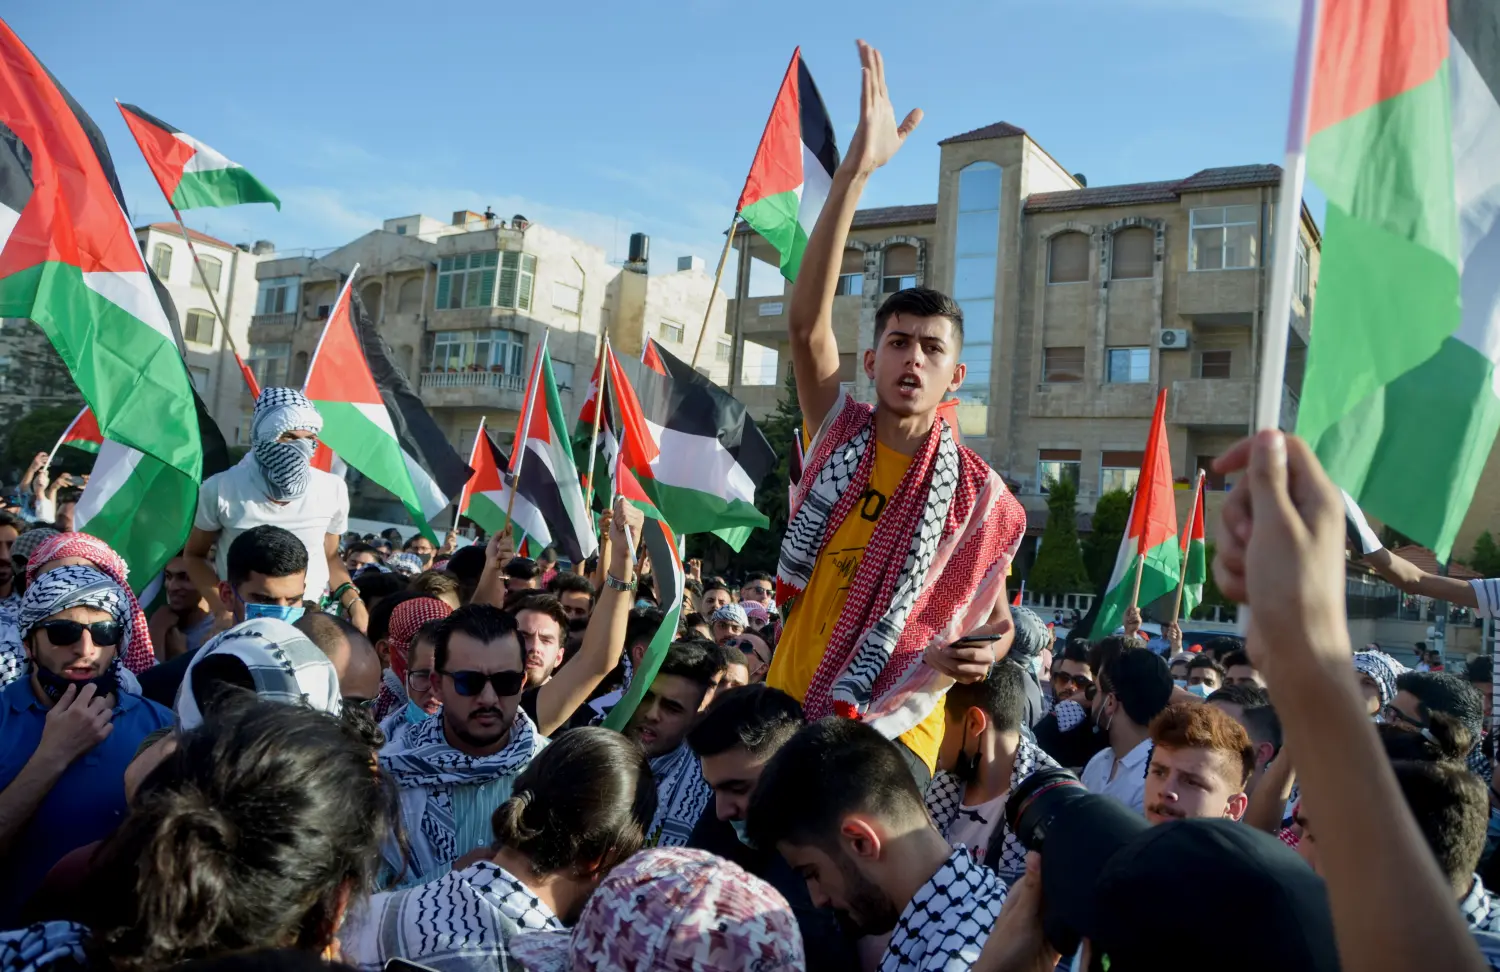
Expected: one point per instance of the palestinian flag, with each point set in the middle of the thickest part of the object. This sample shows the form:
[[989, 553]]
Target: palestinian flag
[[544, 471], [375, 422], [1148, 550], [81, 433], [693, 447], [793, 168], [667, 573], [1402, 395], [69, 261], [487, 496], [191, 174], [1194, 556]]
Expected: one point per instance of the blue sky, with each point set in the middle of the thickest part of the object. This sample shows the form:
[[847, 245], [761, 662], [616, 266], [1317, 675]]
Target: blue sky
[[604, 118]]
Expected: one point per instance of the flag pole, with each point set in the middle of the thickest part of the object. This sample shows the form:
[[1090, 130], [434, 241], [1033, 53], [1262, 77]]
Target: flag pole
[[463, 493], [599, 398], [629, 537], [518, 448], [718, 275], [61, 438], [212, 297], [1187, 539]]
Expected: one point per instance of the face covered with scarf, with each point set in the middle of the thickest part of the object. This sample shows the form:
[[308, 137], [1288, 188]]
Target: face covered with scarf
[[283, 435], [72, 622]]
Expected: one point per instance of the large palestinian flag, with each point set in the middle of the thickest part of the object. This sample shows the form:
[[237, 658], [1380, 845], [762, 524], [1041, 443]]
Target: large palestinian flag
[[693, 447], [1402, 396], [374, 421], [69, 261], [1148, 550], [793, 168], [667, 574], [487, 496], [544, 469], [191, 174]]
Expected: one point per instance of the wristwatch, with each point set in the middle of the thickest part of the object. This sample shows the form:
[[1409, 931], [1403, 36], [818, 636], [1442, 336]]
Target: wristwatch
[[614, 583]]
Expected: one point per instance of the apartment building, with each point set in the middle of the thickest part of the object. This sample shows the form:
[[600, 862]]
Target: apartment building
[[1080, 303], [464, 304]]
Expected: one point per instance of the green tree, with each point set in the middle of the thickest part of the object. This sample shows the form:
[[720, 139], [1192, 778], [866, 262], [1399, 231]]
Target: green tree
[[1102, 545], [1059, 567], [37, 431], [1486, 558]]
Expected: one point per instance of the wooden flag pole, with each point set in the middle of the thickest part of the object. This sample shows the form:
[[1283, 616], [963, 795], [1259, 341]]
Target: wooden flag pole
[[1188, 539], [599, 398], [203, 278], [718, 275]]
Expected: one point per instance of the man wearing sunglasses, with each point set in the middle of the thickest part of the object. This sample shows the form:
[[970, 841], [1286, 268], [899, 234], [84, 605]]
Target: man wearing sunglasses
[[1071, 676], [67, 731]]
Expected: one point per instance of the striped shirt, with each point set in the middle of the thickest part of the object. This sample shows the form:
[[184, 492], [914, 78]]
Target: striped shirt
[[1487, 594]]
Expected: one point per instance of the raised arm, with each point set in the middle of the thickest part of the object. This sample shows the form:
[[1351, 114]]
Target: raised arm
[[815, 353], [1408, 577], [499, 551]]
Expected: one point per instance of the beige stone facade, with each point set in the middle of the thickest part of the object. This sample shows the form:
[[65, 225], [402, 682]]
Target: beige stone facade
[[464, 306]]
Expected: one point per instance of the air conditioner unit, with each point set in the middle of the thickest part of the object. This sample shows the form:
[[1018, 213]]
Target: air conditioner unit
[[1173, 339]]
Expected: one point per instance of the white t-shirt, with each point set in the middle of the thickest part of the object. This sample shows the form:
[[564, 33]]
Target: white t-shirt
[[972, 827], [232, 502], [1129, 783]]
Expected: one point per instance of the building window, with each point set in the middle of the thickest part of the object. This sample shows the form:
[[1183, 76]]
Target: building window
[[758, 364], [1055, 465], [669, 331], [467, 280], [1211, 480], [161, 261], [899, 270], [269, 363], [500, 351], [1068, 258], [1119, 471], [213, 272], [562, 374], [1133, 254], [851, 275], [1223, 238], [1127, 365], [1061, 365], [1214, 363], [566, 297], [199, 327], [401, 230], [1302, 281], [724, 351], [976, 252], [517, 277], [278, 295]]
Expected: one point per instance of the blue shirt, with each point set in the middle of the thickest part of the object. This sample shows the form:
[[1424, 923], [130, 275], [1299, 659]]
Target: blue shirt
[[88, 801]]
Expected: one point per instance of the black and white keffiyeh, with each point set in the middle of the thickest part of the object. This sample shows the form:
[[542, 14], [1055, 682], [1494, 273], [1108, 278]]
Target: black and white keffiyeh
[[283, 663], [945, 802], [682, 795], [1479, 908], [12, 655], [75, 585], [462, 922], [45, 945], [1383, 669], [427, 770], [946, 923], [284, 467]]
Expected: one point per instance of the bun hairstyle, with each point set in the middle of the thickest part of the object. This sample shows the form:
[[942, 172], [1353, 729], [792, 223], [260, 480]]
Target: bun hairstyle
[[253, 834], [587, 798]]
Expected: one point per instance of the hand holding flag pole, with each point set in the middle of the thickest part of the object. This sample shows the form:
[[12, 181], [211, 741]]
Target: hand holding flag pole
[[602, 370]]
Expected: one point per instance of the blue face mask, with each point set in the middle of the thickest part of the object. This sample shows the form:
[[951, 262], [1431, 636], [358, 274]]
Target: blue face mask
[[1180, 682], [739, 831], [1202, 691], [290, 613], [415, 713]]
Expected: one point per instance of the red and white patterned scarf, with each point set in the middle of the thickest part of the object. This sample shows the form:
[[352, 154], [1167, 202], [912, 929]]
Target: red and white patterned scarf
[[136, 651], [933, 570]]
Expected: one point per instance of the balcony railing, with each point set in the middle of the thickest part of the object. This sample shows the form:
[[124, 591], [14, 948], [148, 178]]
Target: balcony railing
[[269, 320], [473, 379]]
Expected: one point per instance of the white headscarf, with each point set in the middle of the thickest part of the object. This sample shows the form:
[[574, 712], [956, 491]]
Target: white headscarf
[[285, 467], [283, 662]]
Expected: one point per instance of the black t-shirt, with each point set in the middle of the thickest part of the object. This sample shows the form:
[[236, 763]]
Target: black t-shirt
[[159, 683]]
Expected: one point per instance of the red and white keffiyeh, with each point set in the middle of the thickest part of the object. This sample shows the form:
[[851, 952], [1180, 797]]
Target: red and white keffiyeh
[[933, 570]]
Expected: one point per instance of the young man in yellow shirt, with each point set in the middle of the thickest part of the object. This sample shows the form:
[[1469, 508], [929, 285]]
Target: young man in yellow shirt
[[899, 538]]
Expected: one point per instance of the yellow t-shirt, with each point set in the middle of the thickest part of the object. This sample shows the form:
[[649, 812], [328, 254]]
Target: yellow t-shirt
[[803, 640]]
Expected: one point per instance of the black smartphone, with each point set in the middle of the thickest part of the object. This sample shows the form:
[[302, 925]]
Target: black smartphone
[[978, 639]]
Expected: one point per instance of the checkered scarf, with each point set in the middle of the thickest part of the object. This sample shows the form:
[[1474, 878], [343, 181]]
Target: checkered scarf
[[76, 586], [681, 796], [951, 526], [945, 797], [1479, 909], [44, 945], [285, 467], [948, 920], [283, 662], [406, 619], [135, 650], [1383, 669]]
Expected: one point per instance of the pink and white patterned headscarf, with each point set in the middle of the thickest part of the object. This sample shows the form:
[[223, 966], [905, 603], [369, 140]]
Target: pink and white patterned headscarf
[[673, 910]]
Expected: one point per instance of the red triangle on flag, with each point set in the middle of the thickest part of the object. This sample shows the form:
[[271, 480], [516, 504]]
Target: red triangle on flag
[[1153, 515], [651, 358], [339, 371], [638, 447]]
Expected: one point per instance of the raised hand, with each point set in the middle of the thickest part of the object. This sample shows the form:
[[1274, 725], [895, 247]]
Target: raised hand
[[878, 137]]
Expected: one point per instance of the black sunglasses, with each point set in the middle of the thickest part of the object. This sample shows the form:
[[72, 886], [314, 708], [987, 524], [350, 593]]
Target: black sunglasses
[[104, 633], [1082, 681], [472, 683]]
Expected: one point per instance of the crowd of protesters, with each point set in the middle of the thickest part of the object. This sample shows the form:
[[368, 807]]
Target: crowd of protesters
[[326, 750]]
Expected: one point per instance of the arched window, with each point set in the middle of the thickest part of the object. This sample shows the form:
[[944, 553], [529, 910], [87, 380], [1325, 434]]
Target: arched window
[[409, 297], [213, 272], [1134, 253], [371, 295], [1068, 258]]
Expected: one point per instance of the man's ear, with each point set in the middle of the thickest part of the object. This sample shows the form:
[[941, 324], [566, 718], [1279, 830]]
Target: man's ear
[[1237, 806], [976, 721], [869, 362], [960, 372], [1264, 753], [861, 838], [226, 593], [383, 651]]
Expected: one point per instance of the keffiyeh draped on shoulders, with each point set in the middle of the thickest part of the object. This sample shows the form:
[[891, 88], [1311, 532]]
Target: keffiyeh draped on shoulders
[[135, 651], [682, 794], [945, 797], [948, 920]]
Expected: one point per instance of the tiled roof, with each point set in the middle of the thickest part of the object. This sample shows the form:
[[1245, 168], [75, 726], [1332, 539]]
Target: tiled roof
[[172, 229], [997, 130], [1426, 560], [1204, 180], [878, 216]]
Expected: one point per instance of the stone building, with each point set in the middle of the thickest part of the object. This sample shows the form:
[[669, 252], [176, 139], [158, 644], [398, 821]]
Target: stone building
[[464, 305], [1080, 303]]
